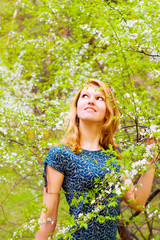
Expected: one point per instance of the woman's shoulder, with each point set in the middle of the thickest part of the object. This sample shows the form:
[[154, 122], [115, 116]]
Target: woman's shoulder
[[60, 155], [59, 149], [56, 158]]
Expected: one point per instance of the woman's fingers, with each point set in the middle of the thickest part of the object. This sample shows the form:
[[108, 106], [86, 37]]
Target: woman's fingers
[[150, 140]]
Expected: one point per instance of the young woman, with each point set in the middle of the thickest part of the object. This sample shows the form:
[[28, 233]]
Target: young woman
[[79, 161]]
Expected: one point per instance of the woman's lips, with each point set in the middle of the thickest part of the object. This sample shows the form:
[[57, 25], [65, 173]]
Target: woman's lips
[[90, 108]]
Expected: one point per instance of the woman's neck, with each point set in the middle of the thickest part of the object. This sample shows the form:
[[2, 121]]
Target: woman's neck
[[90, 135]]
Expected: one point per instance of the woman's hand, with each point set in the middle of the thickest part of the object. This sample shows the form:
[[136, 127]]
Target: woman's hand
[[153, 154], [150, 140]]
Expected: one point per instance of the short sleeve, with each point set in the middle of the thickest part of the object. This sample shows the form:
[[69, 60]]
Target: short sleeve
[[53, 159]]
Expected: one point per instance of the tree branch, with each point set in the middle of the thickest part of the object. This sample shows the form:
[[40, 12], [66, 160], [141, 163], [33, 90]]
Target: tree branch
[[123, 231], [154, 194], [19, 143], [150, 55], [100, 66]]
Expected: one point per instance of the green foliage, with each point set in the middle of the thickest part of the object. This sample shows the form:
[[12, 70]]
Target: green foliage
[[48, 49]]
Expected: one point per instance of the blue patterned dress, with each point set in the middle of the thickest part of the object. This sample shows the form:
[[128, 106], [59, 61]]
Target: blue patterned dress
[[80, 171]]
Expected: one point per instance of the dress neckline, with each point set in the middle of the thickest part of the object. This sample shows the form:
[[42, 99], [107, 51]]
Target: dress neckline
[[85, 150]]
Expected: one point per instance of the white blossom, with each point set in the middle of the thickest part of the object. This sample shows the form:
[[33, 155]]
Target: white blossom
[[127, 182]]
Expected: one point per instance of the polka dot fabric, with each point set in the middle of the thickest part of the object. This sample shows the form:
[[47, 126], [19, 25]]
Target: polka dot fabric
[[80, 171]]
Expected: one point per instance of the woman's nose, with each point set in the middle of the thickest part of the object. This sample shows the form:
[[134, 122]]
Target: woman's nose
[[91, 100]]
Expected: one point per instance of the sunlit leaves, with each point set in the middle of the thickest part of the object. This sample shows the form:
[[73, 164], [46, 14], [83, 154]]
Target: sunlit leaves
[[48, 49]]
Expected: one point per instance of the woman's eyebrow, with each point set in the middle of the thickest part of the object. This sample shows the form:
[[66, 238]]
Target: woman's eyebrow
[[96, 93], [100, 95]]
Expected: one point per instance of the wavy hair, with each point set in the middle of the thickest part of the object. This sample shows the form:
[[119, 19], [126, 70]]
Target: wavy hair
[[111, 123]]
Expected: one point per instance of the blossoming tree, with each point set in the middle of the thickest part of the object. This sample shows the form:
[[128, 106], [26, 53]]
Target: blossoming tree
[[48, 49]]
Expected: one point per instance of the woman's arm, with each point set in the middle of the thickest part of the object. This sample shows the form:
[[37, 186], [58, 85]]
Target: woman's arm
[[51, 201], [136, 197]]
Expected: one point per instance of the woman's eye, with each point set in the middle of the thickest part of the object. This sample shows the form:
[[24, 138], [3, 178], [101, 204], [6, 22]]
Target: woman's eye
[[100, 98], [84, 96]]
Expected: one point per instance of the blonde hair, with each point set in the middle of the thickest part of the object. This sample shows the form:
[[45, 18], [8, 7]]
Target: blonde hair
[[111, 123]]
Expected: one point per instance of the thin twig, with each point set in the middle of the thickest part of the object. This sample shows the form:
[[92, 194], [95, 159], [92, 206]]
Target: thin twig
[[12, 22], [133, 126], [136, 122], [134, 236], [148, 224], [139, 231]]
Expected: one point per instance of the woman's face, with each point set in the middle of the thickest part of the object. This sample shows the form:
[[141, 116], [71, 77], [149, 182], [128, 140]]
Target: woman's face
[[91, 105]]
